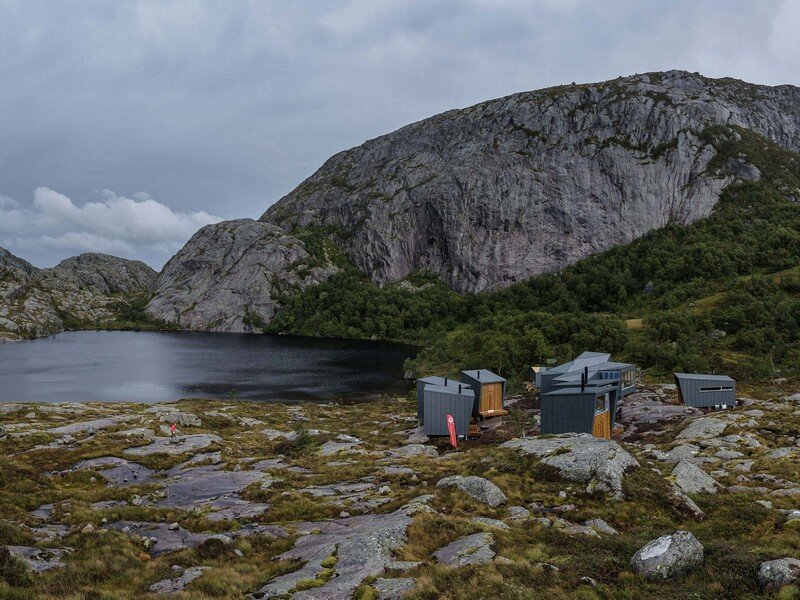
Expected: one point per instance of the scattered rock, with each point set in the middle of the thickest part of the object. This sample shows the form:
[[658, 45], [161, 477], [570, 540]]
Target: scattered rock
[[470, 550], [39, 560], [702, 428], [478, 488], [776, 573], [682, 452], [691, 479], [414, 450], [177, 584], [486, 521], [177, 445], [518, 513], [668, 556], [601, 526], [393, 589]]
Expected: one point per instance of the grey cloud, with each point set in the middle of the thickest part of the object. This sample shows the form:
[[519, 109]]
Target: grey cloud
[[224, 106]]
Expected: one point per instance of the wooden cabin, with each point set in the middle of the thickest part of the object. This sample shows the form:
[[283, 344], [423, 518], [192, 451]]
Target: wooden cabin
[[490, 390], [440, 400], [423, 382], [709, 391], [581, 409]]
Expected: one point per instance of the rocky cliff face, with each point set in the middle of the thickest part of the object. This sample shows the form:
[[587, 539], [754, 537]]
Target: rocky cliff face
[[498, 192], [83, 289], [227, 276]]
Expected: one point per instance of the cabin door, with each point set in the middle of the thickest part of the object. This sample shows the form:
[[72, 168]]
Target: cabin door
[[602, 425], [491, 399]]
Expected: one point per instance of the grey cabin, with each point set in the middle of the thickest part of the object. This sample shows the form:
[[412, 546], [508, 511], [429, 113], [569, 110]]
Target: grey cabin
[[490, 390], [706, 390], [597, 366], [432, 380], [440, 400], [580, 409]]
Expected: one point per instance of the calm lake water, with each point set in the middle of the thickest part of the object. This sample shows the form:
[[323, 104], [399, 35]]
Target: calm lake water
[[132, 366]]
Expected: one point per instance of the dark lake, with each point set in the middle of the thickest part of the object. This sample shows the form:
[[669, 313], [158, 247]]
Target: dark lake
[[131, 366]]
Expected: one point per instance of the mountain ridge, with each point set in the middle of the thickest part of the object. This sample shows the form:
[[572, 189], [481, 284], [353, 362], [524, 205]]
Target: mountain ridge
[[509, 188]]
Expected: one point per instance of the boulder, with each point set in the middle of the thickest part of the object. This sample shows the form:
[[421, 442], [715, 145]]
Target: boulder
[[477, 488], [668, 556], [691, 479], [780, 572]]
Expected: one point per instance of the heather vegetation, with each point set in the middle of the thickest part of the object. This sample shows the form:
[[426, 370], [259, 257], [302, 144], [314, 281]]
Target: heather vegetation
[[719, 294]]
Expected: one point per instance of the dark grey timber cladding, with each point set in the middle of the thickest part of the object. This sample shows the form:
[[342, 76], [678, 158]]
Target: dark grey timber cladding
[[433, 380], [562, 413], [570, 410], [439, 401], [701, 390]]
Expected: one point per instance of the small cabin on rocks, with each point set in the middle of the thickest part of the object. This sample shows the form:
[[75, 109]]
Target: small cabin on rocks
[[490, 390], [596, 366], [584, 408], [715, 391], [434, 380], [439, 400]]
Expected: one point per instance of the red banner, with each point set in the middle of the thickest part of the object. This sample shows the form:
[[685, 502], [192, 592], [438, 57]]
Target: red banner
[[451, 428]]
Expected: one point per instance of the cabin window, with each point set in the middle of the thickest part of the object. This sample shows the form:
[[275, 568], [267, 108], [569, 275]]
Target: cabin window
[[601, 404], [612, 375], [719, 388]]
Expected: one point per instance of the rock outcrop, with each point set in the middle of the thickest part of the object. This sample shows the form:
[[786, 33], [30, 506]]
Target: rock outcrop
[[478, 488], [581, 457], [84, 289], [506, 189], [227, 276]]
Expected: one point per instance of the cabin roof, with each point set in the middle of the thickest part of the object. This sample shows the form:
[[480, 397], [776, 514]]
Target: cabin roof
[[593, 370], [702, 377], [485, 376], [436, 380], [452, 389], [576, 391]]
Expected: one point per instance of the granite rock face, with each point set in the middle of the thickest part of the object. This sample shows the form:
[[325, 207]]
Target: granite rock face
[[33, 302], [227, 276], [530, 183]]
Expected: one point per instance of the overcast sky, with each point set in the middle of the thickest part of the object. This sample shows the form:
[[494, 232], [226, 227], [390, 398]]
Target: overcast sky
[[125, 126]]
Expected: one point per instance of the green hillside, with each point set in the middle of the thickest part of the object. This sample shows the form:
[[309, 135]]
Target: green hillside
[[720, 294]]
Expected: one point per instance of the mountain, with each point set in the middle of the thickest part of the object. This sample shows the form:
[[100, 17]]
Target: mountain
[[86, 291], [227, 276], [492, 194]]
